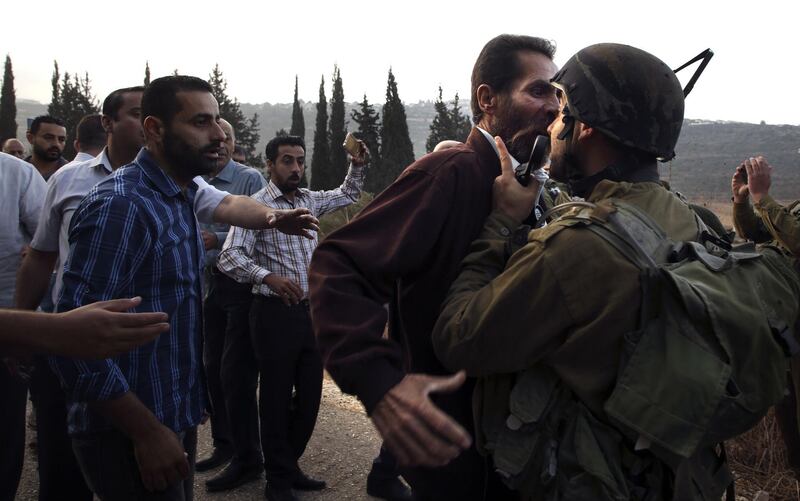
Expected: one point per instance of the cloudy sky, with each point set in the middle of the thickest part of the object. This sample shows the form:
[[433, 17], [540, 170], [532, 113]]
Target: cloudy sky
[[261, 46]]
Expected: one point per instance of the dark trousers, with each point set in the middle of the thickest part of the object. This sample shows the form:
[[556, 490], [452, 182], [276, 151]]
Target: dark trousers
[[384, 466], [13, 399], [786, 416], [288, 359], [470, 476], [231, 369], [109, 466], [59, 473]]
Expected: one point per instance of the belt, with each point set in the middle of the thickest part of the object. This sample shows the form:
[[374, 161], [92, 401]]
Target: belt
[[278, 299]]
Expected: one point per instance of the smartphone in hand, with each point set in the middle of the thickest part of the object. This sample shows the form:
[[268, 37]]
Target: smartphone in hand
[[351, 145]]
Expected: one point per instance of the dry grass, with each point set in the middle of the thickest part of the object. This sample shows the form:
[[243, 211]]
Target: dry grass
[[759, 463], [722, 208]]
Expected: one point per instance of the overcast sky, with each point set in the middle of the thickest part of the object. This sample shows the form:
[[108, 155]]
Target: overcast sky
[[261, 46]]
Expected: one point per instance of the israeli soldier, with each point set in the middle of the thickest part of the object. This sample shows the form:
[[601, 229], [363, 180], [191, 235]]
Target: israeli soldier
[[770, 220], [544, 329], [767, 221]]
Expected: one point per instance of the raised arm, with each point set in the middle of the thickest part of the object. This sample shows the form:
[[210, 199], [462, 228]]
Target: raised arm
[[214, 206]]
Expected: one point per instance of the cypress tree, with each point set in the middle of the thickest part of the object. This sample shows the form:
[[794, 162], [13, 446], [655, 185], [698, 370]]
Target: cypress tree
[[397, 152], [462, 125], [246, 131], [321, 156], [449, 123], [72, 100], [146, 73], [337, 167], [441, 127], [368, 121], [55, 97], [8, 104], [298, 127]]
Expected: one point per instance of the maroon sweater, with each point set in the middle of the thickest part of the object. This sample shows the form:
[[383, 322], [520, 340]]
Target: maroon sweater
[[404, 249]]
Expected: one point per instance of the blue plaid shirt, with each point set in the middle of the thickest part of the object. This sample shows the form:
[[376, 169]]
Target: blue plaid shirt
[[135, 234]]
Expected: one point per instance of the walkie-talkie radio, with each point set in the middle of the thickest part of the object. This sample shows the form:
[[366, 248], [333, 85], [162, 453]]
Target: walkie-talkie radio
[[538, 155], [541, 146]]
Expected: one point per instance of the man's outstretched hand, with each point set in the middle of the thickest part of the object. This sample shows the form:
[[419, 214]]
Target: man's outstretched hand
[[102, 329], [416, 431], [293, 222]]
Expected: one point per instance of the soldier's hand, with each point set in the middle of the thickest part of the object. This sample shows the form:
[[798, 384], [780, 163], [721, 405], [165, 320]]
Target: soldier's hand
[[416, 431], [759, 177], [739, 184], [508, 195], [293, 222]]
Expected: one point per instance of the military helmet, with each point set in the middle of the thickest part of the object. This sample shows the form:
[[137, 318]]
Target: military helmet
[[627, 93]]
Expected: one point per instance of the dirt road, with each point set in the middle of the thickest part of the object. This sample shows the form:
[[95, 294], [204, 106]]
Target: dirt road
[[340, 452]]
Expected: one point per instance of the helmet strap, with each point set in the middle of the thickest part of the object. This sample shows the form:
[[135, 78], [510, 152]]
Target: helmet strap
[[569, 124]]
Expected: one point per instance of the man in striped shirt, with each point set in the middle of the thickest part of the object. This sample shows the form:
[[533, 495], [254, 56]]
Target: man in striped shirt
[[280, 325]]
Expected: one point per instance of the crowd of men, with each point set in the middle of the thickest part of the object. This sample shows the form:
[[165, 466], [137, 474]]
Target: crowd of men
[[185, 285]]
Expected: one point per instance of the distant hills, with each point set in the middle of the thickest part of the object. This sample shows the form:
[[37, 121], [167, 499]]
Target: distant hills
[[707, 152]]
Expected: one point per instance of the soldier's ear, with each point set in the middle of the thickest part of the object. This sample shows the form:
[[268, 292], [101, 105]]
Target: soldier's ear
[[583, 131], [487, 99]]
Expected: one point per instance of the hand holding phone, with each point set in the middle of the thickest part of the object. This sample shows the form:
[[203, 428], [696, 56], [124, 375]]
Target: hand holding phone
[[538, 155], [356, 148]]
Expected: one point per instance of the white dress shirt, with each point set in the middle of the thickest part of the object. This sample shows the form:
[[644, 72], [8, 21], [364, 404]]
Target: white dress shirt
[[22, 191]]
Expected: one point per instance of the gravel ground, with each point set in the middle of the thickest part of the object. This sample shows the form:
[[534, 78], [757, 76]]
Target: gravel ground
[[340, 452]]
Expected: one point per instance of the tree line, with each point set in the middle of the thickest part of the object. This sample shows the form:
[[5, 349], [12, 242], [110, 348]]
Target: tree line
[[385, 132]]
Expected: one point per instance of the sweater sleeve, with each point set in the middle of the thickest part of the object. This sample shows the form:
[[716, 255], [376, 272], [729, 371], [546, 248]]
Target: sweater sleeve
[[353, 275]]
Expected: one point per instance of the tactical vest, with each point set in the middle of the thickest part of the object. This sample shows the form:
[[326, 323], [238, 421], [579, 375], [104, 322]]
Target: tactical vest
[[708, 359]]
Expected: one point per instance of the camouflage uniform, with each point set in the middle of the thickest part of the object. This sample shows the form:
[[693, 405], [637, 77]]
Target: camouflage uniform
[[769, 221]]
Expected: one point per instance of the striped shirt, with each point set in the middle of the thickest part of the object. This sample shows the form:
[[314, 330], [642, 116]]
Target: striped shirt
[[135, 234], [250, 255], [236, 179]]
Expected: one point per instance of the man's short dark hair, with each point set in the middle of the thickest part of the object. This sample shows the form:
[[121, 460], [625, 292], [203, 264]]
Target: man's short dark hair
[[160, 97], [240, 151], [498, 65], [276, 142], [44, 119], [90, 133], [114, 101]]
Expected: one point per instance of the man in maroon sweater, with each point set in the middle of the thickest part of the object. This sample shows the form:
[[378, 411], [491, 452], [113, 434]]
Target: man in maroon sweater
[[404, 249]]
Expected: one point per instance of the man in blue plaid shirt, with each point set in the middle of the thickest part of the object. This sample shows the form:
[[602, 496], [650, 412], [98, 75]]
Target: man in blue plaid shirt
[[133, 418]]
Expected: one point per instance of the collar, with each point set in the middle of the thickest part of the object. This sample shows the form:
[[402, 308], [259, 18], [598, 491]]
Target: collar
[[226, 174], [101, 160], [514, 162], [82, 157], [617, 172], [619, 189], [273, 192], [157, 176], [61, 160]]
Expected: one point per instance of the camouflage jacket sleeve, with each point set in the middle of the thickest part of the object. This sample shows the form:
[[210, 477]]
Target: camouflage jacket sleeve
[[497, 315], [748, 225], [783, 223]]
